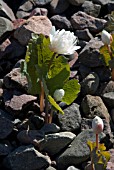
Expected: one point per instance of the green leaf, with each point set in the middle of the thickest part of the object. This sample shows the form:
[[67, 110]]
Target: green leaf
[[105, 55], [72, 89], [54, 104]]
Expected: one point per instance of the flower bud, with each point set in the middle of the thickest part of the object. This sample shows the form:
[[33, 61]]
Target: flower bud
[[97, 125], [106, 37], [58, 94]]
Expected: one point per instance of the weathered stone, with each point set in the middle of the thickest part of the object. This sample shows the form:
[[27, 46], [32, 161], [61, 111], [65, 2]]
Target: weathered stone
[[91, 9], [6, 127], [37, 121], [109, 99], [58, 6], [54, 143], [101, 2], [72, 168], [26, 6], [5, 148], [84, 34], [15, 80], [109, 87], [36, 24], [41, 2], [26, 157], [89, 56], [110, 163], [6, 11], [71, 119], [15, 102], [84, 71], [76, 2], [81, 20], [5, 25], [93, 106], [61, 22], [78, 151], [50, 168], [90, 84], [50, 128]]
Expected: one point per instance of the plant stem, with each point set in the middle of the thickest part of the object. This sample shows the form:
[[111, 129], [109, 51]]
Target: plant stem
[[51, 116], [97, 141], [41, 98], [46, 111], [51, 60]]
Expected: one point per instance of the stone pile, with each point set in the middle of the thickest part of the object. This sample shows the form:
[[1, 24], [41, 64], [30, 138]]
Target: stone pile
[[26, 142]]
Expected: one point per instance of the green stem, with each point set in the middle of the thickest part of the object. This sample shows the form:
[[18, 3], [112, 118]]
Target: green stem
[[46, 110], [51, 60], [41, 98]]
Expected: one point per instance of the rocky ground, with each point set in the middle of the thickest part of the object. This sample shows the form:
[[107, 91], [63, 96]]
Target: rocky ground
[[61, 145]]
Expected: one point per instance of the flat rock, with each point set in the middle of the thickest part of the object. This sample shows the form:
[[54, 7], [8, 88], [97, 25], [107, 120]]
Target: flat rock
[[36, 24], [84, 34], [81, 20], [71, 119], [26, 157], [54, 143], [50, 128], [109, 99], [78, 151]]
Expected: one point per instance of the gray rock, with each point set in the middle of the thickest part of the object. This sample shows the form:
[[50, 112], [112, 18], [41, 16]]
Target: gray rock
[[42, 2], [109, 87], [71, 119], [15, 80], [15, 101], [78, 151], [6, 127], [84, 71], [61, 22], [26, 157], [26, 6], [89, 56], [90, 84], [36, 24], [93, 106], [37, 121], [29, 136], [6, 11], [110, 6], [50, 168], [58, 6], [5, 149], [5, 25], [76, 2], [101, 2], [110, 163], [54, 143], [81, 20], [84, 34], [50, 128], [109, 99], [72, 168], [91, 9]]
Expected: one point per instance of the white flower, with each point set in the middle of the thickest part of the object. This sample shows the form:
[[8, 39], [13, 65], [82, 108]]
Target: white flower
[[58, 94], [63, 42], [97, 125], [106, 37]]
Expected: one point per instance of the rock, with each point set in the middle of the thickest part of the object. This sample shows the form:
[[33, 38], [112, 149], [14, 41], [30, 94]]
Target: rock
[[6, 115], [60, 22], [84, 71], [42, 2], [71, 119], [89, 56], [6, 127], [78, 151], [76, 2], [93, 106], [29, 136], [5, 149], [101, 2], [91, 9], [26, 6], [109, 99], [54, 143], [110, 164], [5, 25], [26, 157], [81, 20], [15, 80], [84, 34], [72, 168], [36, 24], [16, 102], [109, 87], [50, 128], [50, 168], [58, 6], [90, 84], [6, 11], [110, 6], [37, 121]]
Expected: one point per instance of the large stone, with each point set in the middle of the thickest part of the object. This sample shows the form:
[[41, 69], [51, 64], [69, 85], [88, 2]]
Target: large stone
[[81, 20], [76, 2], [89, 56], [84, 34], [54, 143], [26, 158], [71, 119], [93, 106], [101, 2], [50, 128], [109, 99], [42, 2], [5, 148], [35, 24], [78, 151]]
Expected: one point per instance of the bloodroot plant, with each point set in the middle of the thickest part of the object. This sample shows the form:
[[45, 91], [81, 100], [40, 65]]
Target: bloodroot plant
[[48, 71], [99, 157]]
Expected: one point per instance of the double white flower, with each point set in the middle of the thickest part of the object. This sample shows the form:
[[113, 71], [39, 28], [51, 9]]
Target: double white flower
[[97, 125], [63, 42], [106, 37]]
